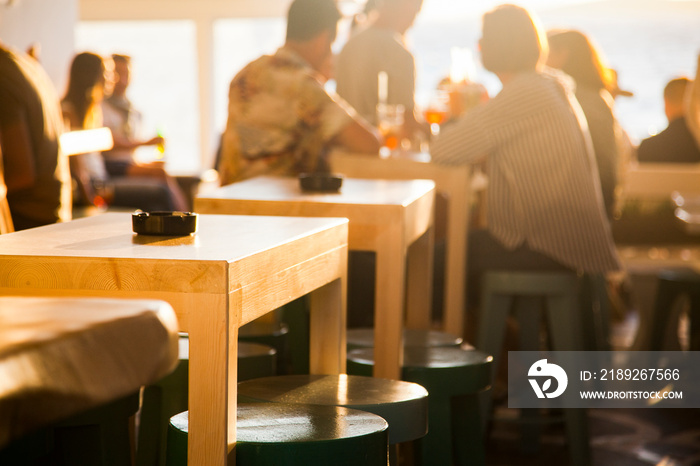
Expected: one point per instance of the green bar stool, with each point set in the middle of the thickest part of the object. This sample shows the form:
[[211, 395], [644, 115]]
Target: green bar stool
[[101, 436], [403, 405], [364, 338], [674, 283], [270, 332], [455, 379], [527, 293], [168, 397], [278, 434]]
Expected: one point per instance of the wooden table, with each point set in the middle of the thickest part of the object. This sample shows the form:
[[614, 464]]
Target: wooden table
[[385, 217], [451, 182], [232, 271], [61, 356]]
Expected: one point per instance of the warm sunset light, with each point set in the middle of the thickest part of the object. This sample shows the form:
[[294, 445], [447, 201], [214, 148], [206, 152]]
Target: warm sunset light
[[629, 33], [350, 232]]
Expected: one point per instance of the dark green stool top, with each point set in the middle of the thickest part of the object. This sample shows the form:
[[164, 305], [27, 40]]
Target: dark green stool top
[[168, 396], [404, 405], [364, 338], [456, 380], [274, 334], [296, 435], [462, 371]]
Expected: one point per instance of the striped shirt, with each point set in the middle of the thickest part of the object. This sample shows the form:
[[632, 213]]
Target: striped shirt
[[543, 185]]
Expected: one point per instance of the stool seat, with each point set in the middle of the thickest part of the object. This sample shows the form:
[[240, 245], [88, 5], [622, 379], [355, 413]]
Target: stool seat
[[270, 333], [168, 396], [403, 405], [255, 360], [279, 434], [460, 371], [364, 338], [454, 378]]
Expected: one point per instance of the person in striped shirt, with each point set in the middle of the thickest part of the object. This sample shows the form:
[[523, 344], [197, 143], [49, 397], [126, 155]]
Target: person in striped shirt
[[545, 206]]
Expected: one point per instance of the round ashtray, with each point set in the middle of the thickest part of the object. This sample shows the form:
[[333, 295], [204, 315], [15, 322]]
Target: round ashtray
[[164, 223], [320, 182]]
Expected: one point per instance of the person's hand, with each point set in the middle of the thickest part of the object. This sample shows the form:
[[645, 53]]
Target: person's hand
[[157, 140]]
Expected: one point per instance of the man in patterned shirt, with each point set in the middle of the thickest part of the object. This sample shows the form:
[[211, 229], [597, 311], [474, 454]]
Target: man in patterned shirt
[[280, 118]]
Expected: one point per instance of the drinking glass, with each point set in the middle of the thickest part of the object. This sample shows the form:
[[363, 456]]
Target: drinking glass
[[437, 111], [390, 118]]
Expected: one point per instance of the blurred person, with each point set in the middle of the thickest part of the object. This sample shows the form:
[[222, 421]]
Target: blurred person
[[381, 46], [692, 102], [90, 79], [280, 118], [675, 144], [545, 209], [574, 53], [124, 120], [36, 171]]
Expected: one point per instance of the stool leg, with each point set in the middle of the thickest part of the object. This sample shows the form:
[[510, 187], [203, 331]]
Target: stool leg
[[564, 316], [577, 436], [665, 297], [492, 325], [467, 430], [602, 312], [431, 447], [694, 330], [527, 311], [160, 402]]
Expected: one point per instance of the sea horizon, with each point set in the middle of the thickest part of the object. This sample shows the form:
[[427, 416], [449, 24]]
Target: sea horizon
[[647, 41]]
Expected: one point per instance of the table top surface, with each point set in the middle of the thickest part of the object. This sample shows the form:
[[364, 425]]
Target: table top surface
[[353, 191], [110, 235], [60, 356]]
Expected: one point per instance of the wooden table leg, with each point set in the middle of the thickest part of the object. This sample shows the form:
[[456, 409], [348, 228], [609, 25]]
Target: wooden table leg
[[212, 379], [327, 352], [419, 282], [456, 261], [389, 305]]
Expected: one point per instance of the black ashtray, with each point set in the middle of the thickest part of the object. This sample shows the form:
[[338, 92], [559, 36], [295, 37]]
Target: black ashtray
[[320, 182], [164, 223]]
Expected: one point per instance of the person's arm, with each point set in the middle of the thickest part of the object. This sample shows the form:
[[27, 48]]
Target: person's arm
[[692, 102], [359, 137], [131, 144]]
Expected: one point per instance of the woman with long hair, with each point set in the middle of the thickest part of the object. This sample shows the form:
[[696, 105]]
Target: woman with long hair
[[575, 54], [90, 79]]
